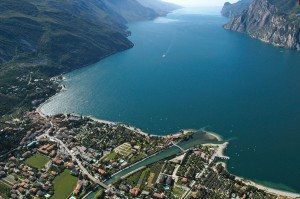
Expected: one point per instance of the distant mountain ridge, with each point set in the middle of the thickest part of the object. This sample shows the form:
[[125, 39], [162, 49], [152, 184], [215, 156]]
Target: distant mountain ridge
[[273, 21], [161, 7]]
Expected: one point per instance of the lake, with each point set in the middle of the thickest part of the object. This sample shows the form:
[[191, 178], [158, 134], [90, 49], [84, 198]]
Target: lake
[[186, 71]]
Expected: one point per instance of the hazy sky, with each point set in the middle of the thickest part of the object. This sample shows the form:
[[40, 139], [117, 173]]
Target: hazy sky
[[200, 3]]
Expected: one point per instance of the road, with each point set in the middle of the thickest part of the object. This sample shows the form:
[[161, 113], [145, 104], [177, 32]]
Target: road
[[82, 168], [74, 158]]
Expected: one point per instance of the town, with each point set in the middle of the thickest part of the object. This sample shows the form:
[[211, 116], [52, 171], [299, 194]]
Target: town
[[70, 156]]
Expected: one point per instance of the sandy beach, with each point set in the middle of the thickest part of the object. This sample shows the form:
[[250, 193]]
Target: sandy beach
[[268, 189], [220, 153], [219, 137]]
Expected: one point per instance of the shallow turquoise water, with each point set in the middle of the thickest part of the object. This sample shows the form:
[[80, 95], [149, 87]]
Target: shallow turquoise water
[[186, 71]]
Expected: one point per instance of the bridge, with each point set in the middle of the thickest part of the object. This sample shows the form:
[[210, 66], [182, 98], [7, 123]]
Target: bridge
[[182, 149]]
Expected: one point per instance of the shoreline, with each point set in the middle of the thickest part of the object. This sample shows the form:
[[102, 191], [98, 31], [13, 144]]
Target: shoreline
[[217, 136], [220, 152], [276, 191], [139, 131], [268, 189]]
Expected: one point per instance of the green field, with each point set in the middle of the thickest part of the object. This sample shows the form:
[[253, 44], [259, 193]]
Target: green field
[[64, 184], [138, 157], [4, 190], [111, 156], [37, 161], [134, 178], [99, 194], [178, 192]]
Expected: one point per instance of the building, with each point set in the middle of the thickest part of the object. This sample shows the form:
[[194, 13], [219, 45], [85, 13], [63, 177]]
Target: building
[[158, 195], [135, 191]]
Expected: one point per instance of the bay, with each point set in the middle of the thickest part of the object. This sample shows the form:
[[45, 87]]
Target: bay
[[186, 71]]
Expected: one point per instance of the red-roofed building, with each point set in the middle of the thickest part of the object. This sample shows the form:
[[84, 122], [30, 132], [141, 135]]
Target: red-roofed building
[[101, 171], [135, 191]]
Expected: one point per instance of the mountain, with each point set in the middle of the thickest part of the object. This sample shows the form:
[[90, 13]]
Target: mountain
[[273, 21], [234, 9], [161, 7], [67, 33], [44, 38]]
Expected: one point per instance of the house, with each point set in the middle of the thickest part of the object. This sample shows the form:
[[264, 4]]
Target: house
[[158, 195], [33, 191], [101, 171], [195, 194], [135, 191], [169, 180], [145, 193], [26, 154], [57, 161], [162, 179], [184, 180], [124, 188], [78, 188], [70, 165], [2, 174]]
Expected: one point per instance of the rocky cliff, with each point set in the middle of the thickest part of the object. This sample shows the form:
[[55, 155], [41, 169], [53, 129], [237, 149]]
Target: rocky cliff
[[234, 9], [273, 21]]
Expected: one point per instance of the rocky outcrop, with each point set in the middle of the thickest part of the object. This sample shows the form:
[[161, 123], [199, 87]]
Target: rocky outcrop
[[265, 21], [234, 9]]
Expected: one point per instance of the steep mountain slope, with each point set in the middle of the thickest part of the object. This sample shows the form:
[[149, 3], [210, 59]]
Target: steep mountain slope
[[272, 21], [42, 39], [64, 33], [234, 9]]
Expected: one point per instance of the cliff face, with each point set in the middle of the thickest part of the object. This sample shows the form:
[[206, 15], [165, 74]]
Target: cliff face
[[268, 22], [234, 9]]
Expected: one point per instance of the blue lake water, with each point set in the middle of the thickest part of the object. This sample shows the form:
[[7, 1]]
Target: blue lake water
[[186, 71]]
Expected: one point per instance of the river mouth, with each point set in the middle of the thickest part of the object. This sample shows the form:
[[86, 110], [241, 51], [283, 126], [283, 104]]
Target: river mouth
[[198, 138], [188, 72]]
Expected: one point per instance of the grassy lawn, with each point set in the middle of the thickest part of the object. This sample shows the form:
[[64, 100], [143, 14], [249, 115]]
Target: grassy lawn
[[99, 194], [143, 177], [155, 168], [138, 157], [4, 190], [10, 179], [178, 192], [64, 184], [37, 161], [111, 156], [134, 178]]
